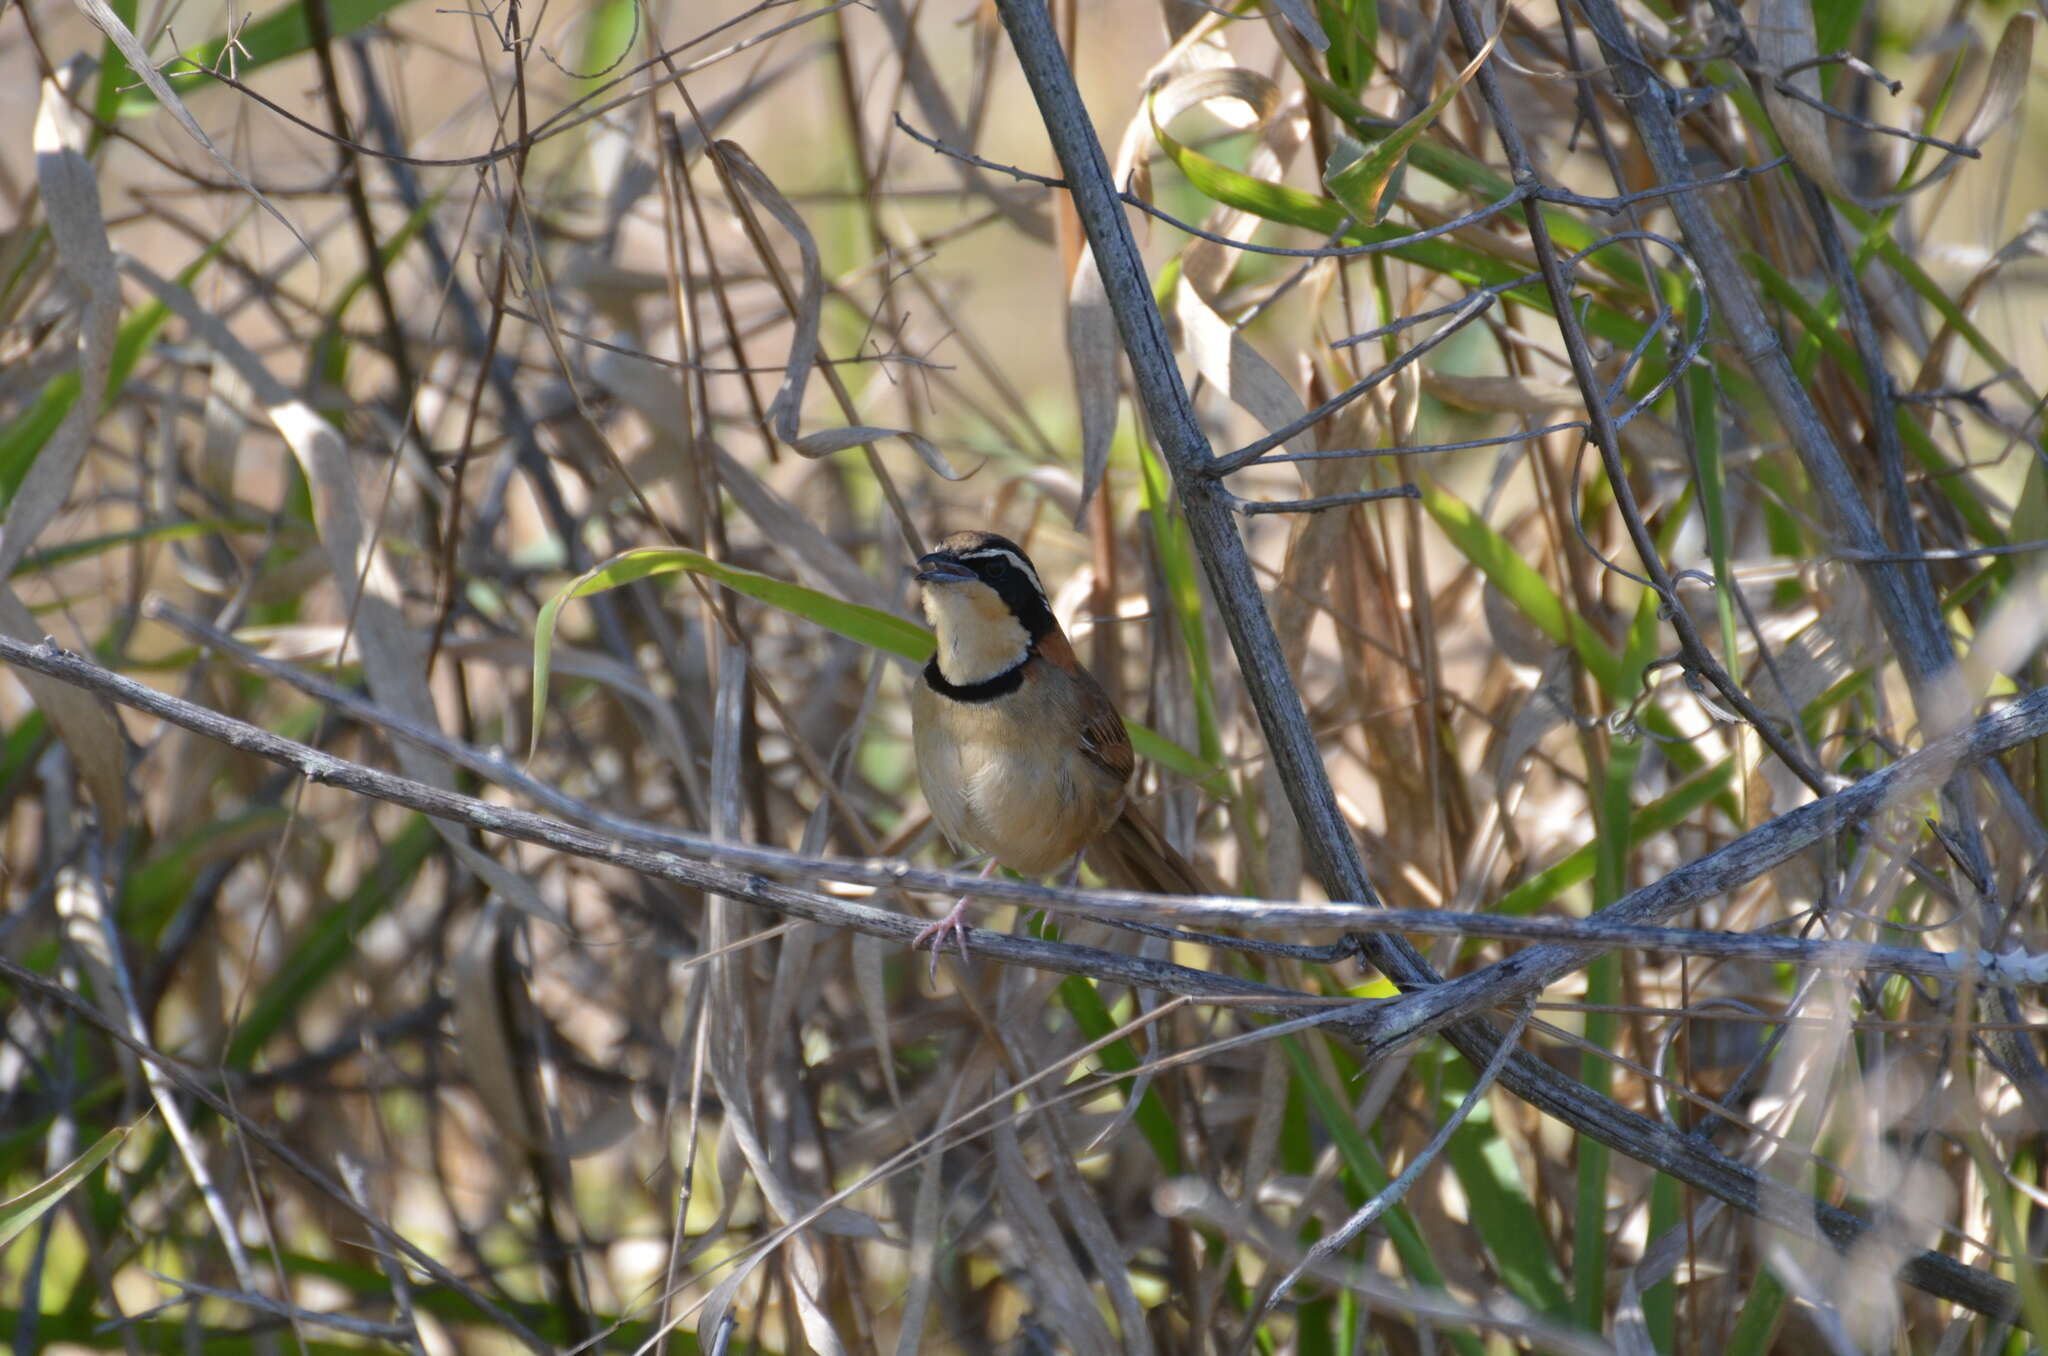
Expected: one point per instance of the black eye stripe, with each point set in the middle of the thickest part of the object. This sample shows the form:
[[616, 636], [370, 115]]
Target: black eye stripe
[[1016, 583], [1000, 557]]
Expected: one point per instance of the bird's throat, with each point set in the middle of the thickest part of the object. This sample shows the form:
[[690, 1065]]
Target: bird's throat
[[973, 655], [979, 637]]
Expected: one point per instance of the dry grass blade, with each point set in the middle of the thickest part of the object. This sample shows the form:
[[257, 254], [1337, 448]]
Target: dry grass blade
[[786, 413], [1095, 360], [1785, 41], [71, 197], [103, 18], [392, 654], [1998, 103]]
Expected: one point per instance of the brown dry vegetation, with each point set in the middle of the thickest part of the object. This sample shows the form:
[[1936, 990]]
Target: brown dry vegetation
[[527, 288]]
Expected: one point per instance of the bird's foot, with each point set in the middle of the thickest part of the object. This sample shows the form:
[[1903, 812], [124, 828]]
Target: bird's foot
[[954, 925]]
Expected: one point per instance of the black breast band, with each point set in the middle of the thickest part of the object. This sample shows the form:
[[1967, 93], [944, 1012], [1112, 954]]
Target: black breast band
[[988, 689]]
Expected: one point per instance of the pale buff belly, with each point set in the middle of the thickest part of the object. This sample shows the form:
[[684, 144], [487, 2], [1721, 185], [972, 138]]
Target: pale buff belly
[[1003, 779]]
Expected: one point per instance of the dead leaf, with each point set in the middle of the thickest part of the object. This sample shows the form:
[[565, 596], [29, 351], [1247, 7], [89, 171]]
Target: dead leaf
[[786, 411], [1784, 38]]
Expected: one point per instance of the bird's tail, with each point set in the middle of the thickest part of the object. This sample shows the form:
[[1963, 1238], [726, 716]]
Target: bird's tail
[[1134, 855]]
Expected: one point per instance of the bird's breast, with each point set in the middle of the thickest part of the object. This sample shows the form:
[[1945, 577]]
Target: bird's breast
[[1006, 777]]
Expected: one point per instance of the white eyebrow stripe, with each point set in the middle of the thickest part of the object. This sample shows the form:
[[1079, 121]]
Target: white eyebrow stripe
[[1003, 553]]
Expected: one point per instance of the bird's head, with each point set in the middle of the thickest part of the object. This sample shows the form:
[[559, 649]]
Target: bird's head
[[986, 604]]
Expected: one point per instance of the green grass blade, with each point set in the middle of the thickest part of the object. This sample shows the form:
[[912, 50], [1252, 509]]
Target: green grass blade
[[1092, 1017], [1367, 1176], [1500, 1208], [1603, 986], [1660, 1301], [31, 1205], [1518, 580], [1177, 563], [1712, 474], [1757, 1324], [87, 547], [869, 626], [1362, 185]]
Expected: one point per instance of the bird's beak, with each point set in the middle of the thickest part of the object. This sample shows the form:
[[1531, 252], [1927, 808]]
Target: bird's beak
[[939, 569]]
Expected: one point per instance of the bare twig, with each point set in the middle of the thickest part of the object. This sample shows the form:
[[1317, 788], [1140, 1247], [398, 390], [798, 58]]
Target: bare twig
[[527, 827]]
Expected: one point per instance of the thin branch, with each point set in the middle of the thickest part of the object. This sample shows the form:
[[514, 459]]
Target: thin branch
[[1791, 91], [1735, 863], [1472, 308], [527, 827], [1252, 508]]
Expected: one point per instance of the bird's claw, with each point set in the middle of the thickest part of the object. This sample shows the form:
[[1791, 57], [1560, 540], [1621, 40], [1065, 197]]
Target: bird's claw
[[954, 924]]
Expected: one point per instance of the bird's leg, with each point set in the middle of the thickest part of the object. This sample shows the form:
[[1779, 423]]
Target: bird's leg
[[954, 924], [1071, 878]]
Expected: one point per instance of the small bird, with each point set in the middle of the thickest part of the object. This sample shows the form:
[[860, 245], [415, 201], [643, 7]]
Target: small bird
[[1021, 753]]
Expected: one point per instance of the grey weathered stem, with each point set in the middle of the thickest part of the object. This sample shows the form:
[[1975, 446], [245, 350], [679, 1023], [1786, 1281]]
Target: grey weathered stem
[[1171, 416], [1730, 866], [711, 877], [1332, 850]]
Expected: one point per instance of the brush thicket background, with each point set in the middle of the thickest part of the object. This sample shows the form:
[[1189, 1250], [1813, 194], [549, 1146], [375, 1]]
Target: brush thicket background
[[557, 331]]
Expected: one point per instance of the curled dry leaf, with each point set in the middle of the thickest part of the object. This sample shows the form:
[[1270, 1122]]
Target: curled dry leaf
[[1784, 38], [785, 414], [1217, 349], [1235, 368], [1093, 350], [2005, 85], [1237, 98]]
